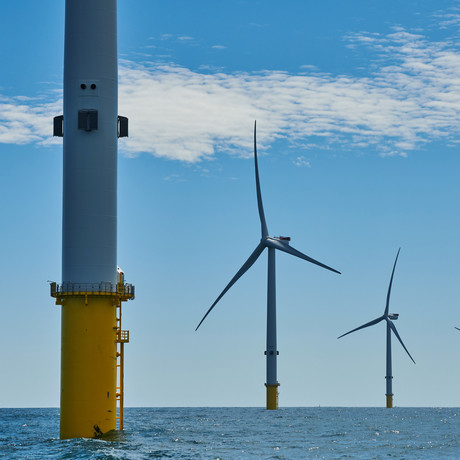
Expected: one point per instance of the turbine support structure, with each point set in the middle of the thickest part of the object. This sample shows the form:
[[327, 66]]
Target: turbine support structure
[[389, 376], [389, 401], [272, 396], [90, 333], [271, 352], [92, 288]]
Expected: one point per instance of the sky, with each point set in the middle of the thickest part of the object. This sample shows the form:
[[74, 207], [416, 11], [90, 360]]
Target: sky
[[358, 116]]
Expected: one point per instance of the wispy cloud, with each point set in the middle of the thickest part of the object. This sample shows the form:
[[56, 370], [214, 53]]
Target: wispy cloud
[[301, 161], [25, 120], [411, 96], [448, 19], [174, 178]]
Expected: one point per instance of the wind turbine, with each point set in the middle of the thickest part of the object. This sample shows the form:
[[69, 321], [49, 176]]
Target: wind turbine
[[389, 318], [272, 244]]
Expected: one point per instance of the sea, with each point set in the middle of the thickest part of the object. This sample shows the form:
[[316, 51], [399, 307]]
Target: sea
[[242, 433]]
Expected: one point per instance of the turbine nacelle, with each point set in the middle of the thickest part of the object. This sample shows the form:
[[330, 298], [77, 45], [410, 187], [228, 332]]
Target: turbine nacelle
[[284, 239], [281, 239], [393, 316]]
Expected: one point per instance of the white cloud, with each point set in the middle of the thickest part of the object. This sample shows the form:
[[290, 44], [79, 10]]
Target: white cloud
[[174, 178], [302, 162], [412, 98], [448, 20], [24, 120]]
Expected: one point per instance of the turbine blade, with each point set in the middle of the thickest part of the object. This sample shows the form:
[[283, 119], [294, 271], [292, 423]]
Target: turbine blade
[[457, 328], [273, 243], [246, 266], [387, 306], [370, 323], [393, 328], [263, 223]]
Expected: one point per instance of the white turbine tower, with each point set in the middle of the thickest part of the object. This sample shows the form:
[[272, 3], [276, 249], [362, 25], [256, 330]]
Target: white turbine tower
[[389, 318], [272, 243]]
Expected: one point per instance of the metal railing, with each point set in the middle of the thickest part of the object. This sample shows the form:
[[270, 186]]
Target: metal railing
[[88, 288]]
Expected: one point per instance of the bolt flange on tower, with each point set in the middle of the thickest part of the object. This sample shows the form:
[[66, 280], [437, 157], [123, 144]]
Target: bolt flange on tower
[[92, 287]]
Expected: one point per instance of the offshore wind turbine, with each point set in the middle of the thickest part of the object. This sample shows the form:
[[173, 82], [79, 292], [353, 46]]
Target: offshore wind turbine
[[389, 318], [272, 244]]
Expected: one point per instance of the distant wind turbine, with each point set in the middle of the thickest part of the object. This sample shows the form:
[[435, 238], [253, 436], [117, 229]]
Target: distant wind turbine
[[389, 318], [272, 243]]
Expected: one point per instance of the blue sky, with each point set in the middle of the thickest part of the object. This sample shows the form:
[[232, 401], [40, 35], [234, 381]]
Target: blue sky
[[358, 112]]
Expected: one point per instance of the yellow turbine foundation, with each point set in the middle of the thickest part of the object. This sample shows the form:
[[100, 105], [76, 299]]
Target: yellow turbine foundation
[[88, 366], [389, 401], [272, 396]]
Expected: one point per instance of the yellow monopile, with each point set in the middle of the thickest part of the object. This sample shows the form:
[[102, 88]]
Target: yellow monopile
[[88, 366], [272, 396], [389, 401]]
